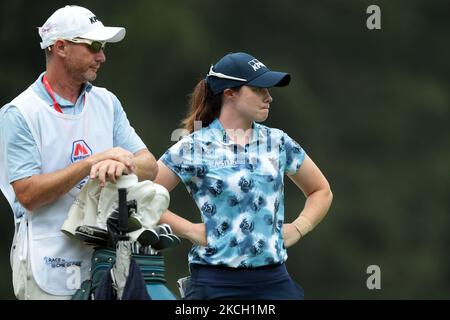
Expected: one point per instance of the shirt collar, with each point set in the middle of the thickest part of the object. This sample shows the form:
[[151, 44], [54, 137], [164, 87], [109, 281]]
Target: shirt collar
[[220, 133], [61, 101]]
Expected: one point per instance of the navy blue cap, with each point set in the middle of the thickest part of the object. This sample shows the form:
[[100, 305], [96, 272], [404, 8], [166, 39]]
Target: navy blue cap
[[237, 69]]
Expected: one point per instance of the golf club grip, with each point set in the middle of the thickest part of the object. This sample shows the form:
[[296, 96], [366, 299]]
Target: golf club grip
[[123, 211]]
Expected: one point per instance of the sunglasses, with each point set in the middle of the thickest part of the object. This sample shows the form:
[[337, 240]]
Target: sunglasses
[[94, 46]]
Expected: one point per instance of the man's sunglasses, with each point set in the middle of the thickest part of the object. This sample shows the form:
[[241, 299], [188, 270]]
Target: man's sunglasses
[[94, 46]]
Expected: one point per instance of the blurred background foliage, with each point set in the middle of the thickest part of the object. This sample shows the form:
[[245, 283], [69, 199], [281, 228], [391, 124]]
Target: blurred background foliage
[[371, 108]]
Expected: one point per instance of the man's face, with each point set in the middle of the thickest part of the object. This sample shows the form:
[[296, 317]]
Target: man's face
[[81, 62]]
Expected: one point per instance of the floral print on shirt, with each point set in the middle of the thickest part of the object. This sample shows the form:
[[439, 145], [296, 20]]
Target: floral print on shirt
[[239, 190]]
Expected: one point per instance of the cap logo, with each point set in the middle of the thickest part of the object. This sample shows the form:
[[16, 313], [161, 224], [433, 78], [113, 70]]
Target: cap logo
[[93, 19], [45, 29], [256, 64]]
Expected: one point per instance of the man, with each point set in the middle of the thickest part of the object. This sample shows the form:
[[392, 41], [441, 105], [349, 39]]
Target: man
[[55, 135]]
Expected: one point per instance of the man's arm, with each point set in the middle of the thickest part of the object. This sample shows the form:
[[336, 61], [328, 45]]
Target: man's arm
[[146, 167], [142, 163], [125, 136], [41, 189]]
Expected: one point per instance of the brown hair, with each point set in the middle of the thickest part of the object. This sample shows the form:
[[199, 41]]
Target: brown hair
[[203, 106]]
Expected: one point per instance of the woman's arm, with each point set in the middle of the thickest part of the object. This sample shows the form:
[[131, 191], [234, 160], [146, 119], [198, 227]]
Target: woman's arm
[[310, 180], [195, 232]]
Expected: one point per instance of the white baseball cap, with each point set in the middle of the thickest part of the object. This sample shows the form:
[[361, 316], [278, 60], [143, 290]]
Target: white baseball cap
[[77, 22]]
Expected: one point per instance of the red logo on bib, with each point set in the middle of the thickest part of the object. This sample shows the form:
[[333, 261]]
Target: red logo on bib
[[80, 151]]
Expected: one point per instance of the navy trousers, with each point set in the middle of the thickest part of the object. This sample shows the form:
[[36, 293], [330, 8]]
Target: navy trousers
[[223, 283]]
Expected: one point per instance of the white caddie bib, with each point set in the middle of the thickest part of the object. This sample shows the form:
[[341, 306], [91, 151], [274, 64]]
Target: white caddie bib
[[59, 263]]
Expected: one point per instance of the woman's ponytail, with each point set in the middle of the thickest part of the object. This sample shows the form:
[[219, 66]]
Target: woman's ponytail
[[203, 106]]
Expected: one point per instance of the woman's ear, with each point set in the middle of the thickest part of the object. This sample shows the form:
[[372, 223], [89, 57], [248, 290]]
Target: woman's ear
[[229, 93]]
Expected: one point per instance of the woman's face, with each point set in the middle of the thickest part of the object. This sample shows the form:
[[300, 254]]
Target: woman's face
[[253, 103]]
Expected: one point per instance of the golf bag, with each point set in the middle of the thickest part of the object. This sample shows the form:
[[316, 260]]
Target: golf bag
[[122, 268]]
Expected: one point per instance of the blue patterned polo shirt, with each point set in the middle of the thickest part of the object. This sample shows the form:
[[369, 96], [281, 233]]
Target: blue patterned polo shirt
[[239, 191]]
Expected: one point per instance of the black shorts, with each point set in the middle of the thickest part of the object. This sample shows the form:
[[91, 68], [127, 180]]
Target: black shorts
[[223, 283]]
